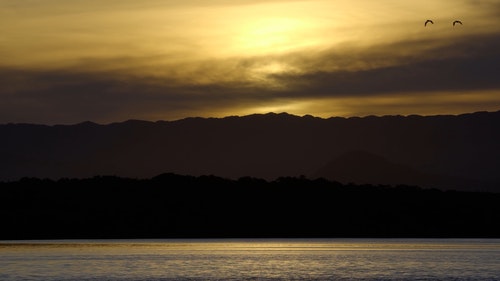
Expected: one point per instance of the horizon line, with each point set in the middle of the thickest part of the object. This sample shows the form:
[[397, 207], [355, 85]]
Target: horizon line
[[283, 113]]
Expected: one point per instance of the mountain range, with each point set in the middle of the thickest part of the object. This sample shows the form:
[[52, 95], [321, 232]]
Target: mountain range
[[460, 152]]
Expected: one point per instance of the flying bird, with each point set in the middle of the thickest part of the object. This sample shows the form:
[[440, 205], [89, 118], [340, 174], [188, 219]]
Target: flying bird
[[457, 21], [428, 21]]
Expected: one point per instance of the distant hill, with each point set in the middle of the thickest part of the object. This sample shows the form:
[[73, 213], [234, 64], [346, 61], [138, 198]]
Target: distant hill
[[361, 167], [443, 151]]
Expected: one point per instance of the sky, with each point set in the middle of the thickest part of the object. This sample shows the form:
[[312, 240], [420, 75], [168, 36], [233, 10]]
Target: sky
[[65, 62]]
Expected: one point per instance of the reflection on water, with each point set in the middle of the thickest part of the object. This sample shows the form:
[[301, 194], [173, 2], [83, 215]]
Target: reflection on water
[[228, 259]]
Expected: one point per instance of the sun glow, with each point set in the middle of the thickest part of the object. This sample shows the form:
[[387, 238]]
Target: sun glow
[[269, 35]]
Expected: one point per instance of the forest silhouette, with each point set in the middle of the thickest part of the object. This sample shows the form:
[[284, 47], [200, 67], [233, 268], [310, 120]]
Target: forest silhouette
[[181, 206]]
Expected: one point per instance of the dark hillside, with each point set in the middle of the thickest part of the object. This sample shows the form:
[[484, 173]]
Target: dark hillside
[[446, 152]]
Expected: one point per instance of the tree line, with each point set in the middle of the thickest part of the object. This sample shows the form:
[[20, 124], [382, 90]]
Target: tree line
[[180, 206]]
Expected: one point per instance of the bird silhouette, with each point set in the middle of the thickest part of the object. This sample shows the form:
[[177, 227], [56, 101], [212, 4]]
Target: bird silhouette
[[457, 21], [428, 21]]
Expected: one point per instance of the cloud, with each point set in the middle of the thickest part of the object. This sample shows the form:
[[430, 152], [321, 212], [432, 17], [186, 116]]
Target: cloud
[[470, 63], [357, 78], [67, 96]]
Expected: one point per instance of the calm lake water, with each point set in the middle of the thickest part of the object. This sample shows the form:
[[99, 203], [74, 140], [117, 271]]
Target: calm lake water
[[269, 259]]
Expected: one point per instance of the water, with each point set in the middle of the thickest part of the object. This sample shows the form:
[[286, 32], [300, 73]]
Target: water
[[269, 259]]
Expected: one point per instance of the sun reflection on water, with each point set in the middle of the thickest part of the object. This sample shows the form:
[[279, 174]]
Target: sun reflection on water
[[233, 259]]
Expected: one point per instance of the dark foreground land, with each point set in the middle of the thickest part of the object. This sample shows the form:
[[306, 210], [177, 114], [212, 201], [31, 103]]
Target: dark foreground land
[[176, 206]]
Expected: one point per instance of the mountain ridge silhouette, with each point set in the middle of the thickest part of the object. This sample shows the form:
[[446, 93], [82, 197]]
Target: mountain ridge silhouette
[[456, 148]]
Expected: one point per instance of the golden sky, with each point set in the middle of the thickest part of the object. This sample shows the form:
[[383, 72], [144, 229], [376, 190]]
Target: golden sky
[[112, 60]]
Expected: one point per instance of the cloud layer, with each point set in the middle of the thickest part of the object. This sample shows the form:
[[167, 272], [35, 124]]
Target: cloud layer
[[74, 75]]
